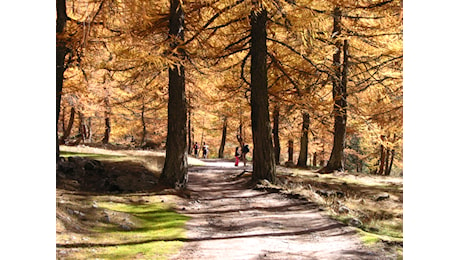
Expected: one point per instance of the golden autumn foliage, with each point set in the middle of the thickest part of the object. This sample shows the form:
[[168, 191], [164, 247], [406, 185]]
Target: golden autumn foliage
[[120, 55]]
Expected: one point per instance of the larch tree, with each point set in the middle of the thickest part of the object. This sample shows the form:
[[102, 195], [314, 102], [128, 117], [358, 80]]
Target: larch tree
[[264, 158], [339, 94], [276, 137], [61, 52], [303, 154], [224, 137], [174, 172]]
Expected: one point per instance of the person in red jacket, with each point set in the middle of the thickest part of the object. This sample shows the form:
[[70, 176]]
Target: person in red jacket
[[237, 155]]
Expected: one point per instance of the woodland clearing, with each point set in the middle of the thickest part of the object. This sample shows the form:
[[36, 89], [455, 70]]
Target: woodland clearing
[[304, 215]]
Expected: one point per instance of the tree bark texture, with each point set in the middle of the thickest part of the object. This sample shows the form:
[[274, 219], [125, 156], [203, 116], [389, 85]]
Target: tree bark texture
[[68, 129], [108, 127], [144, 125], [264, 159], [290, 151], [339, 93], [63, 119], [390, 157], [61, 51], [189, 130], [107, 130], [174, 172], [315, 158], [276, 137], [381, 169], [303, 155], [224, 137]]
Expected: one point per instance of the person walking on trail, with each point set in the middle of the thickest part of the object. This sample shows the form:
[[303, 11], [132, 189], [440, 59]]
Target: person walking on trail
[[205, 151], [245, 151], [196, 149], [237, 155]]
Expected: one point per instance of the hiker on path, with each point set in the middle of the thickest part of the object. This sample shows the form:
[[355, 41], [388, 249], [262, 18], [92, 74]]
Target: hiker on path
[[237, 155], [205, 151], [245, 151], [196, 149]]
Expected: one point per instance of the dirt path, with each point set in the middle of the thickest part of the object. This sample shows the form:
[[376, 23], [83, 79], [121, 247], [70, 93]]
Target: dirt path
[[231, 221]]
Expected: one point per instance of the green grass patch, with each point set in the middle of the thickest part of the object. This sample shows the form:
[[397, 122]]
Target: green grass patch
[[154, 231], [95, 156], [154, 250], [147, 221], [368, 238], [121, 229]]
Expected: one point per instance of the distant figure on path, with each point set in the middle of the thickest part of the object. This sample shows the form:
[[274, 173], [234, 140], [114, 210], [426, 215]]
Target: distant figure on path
[[245, 151], [237, 155], [196, 149], [205, 151]]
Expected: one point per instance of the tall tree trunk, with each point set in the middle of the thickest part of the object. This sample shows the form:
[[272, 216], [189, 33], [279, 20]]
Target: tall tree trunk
[[61, 51], [290, 151], [144, 125], [174, 172], [387, 160], [339, 93], [83, 126], [108, 127], [224, 136], [68, 129], [381, 169], [189, 129], [388, 171], [89, 132], [63, 119], [315, 158], [264, 158], [276, 137], [240, 135], [303, 155]]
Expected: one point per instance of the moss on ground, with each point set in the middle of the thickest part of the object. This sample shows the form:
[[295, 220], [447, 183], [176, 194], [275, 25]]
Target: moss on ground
[[115, 227]]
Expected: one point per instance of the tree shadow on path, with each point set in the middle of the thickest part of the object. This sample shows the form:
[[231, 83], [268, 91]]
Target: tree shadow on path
[[234, 221]]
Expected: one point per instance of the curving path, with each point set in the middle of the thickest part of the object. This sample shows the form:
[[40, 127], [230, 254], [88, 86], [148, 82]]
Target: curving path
[[231, 221]]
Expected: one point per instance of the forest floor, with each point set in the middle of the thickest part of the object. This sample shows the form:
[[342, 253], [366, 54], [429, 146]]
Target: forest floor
[[223, 217]]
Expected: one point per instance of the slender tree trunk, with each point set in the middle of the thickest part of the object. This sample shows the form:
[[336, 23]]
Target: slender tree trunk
[[144, 125], [264, 158], [290, 151], [68, 129], [387, 160], [61, 52], [339, 93], [315, 158], [276, 137], [63, 119], [388, 171], [189, 129], [391, 162], [108, 127], [381, 170], [89, 131], [174, 172], [224, 136], [240, 135], [303, 155], [83, 126]]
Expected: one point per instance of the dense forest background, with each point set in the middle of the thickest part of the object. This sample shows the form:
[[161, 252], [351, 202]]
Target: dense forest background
[[116, 72]]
